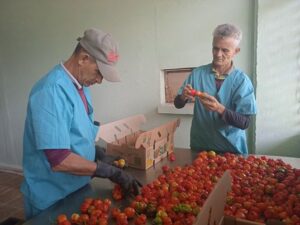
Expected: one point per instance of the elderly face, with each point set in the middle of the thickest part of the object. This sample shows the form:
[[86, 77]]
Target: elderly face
[[89, 73], [224, 50]]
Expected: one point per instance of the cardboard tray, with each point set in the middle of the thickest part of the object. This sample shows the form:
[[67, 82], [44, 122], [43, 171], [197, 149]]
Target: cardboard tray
[[140, 149]]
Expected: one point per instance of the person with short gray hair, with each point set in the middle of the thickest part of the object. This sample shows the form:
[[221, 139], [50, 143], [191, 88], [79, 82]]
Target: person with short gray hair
[[223, 95], [228, 31]]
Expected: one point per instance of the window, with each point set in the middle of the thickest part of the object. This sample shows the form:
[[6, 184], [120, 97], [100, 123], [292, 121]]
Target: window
[[171, 80]]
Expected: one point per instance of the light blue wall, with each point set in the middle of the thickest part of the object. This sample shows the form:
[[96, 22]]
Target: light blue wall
[[153, 35]]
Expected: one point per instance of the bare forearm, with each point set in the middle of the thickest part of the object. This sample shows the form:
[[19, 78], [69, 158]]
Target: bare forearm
[[76, 165]]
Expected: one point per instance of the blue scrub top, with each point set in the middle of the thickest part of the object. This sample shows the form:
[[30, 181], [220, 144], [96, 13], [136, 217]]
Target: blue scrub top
[[208, 130], [56, 119]]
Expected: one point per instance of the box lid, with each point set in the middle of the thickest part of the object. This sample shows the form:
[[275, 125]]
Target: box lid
[[113, 131]]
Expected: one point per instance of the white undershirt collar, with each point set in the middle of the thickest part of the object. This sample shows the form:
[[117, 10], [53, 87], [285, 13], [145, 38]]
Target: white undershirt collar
[[78, 85]]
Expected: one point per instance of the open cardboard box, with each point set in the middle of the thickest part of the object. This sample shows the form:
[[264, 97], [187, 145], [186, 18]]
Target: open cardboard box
[[212, 213], [140, 149]]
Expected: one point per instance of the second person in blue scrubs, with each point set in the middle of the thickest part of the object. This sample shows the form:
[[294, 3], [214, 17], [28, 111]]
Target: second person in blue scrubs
[[223, 112], [59, 135]]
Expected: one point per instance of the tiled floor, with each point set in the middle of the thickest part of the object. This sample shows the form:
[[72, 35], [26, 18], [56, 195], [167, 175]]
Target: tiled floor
[[11, 201]]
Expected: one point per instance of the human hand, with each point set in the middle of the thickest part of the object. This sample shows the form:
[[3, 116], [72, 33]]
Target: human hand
[[102, 156], [129, 184], [211, 103], [186, 93]]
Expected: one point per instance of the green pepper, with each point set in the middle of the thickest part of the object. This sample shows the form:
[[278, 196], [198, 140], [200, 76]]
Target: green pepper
[[161, 214], [151, 209], [229, 200], [140, 207], [183, 208], [281, 170], [196, 210], [157, 221]]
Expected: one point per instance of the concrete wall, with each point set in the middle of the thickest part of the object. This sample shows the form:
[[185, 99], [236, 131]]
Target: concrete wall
[[153, 35], [278, 78]]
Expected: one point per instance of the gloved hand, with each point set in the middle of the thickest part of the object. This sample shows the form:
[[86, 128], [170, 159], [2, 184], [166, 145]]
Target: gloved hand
[[102, 156], [128, 183]]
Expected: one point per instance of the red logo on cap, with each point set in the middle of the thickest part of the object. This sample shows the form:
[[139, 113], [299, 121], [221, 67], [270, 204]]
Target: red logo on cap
[[112, 57]]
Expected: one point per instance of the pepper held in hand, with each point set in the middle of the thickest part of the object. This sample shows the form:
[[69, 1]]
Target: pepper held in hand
[[194, 93]]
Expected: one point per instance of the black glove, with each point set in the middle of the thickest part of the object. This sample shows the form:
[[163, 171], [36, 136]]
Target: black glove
[[128, 183], [101, 155]]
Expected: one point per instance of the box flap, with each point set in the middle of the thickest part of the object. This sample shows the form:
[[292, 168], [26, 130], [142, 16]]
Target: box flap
[[149, 138], [113, 131], [212, 212]]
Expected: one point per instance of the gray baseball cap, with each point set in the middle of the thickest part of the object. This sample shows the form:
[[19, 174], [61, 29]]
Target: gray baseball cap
[[104, 49]]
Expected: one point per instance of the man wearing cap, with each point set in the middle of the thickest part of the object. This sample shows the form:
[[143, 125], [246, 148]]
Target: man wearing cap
[[58, 146]]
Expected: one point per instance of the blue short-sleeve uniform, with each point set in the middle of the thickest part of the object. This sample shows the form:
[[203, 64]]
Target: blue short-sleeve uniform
[[208, 130], [56, 119]]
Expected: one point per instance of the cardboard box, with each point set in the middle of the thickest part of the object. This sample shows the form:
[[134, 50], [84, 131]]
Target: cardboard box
[[212, 212], [140, 149]]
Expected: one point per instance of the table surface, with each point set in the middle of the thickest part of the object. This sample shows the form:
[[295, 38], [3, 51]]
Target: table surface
[[102, 188]]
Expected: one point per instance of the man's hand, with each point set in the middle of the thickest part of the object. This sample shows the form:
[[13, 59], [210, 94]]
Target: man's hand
[[186, 93], [129, 185], [102, 156], [211, 103]]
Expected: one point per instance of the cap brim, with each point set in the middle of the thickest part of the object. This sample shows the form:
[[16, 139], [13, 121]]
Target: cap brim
[[108, 72]]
